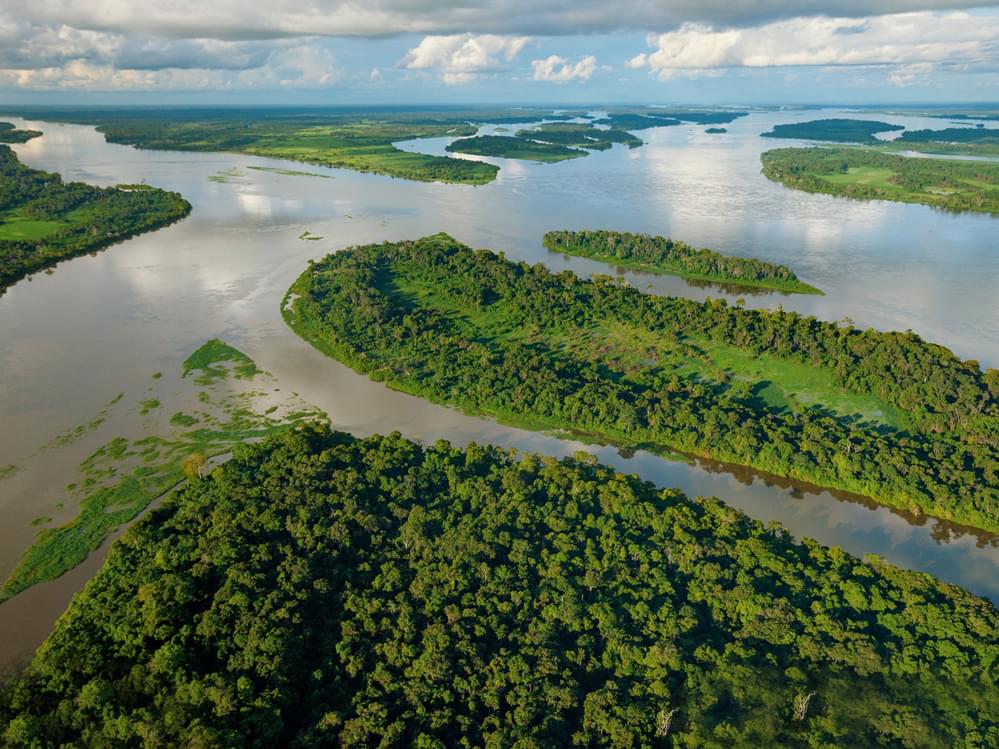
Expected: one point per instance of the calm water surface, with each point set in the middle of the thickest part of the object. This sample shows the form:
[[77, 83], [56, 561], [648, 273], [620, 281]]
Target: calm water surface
[[101, 325]]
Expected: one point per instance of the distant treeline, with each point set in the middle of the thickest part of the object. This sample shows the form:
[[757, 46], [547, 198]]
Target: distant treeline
[[44, 220], [834, 130], [323, 591], [665, 255]]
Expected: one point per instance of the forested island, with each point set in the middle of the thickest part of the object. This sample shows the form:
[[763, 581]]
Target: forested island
[[872, 175], [44, 220], [885, 415], [670, 256], [320, 590], [10, 134], [957, 140], [514, 147], [548, 142], [837, 130]]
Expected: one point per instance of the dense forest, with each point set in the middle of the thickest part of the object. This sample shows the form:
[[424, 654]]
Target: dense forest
[[872, 175], [834, 130], [10, 134], [665, 255], [319, 590], [514, 147], [44, 220], [580, 135], [885, 415], [969, 140]]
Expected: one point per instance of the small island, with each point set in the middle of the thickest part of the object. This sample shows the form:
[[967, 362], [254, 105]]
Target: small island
[[673, 257], [320, 590], [969, 141], [580, 135], [44, 220], [716, 130], [514, 147], [870, 174], [10, 134], [772, 390], [834, 130]]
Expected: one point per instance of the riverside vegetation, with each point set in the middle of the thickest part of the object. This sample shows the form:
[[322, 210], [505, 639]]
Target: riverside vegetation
[[885, 415], [10, 134], [670, 256], [837, 130], [870, 174], [234, 402], [548, 142], [320, 590], [44, 220]]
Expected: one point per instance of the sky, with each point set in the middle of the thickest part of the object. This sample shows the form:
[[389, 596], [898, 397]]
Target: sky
[[332, 52]]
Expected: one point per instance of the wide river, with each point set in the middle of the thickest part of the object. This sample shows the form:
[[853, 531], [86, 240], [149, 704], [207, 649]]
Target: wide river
[[100, 325]]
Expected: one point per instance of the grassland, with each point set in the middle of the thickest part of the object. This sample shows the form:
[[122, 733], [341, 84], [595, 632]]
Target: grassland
[[870, 174]]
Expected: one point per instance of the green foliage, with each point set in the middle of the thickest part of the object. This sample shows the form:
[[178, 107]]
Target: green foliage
[[514, 147], [319, 590], [872, 175], [834, 130], [664, 255], [210, 357], [961, 140], [10, 134], [469, 328], [580, 135], [44, 220], [361, 144]]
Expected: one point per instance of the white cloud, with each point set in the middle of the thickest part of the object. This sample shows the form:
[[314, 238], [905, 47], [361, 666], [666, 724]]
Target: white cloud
[[461, 58], [236, 19], [559, 70], [638, 61], [902, 39]]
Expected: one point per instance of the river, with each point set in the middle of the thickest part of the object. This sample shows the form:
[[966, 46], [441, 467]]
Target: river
[[101, 325]]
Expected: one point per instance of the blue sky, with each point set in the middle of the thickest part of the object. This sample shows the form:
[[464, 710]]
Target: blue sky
[[507, 51]]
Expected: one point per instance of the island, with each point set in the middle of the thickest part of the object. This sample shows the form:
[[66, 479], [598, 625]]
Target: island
[[971, 141], [673, 257], [834, 130], [885, 415], [44, 220], [715, 130], [548, 142], [10, 134], [870, 174], [362, 140], [514, 147], [323, 590]]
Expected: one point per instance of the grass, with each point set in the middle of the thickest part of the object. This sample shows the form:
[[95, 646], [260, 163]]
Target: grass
[[14, 227], [288, 172], [770, 382]]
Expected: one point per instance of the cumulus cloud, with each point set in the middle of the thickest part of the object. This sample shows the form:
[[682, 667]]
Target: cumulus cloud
[[235, 19], [902, 39], [461, 58], [559, 70]]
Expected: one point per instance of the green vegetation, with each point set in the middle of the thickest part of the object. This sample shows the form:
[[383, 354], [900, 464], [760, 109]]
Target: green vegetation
[[289, 172], [10, 134], [954, 185], [834, 130], [514, 147], [123, 477], [700, 118], [44, 220], [209, 359], [359, 142], [319, 590], [664, 255], [716, 130], [871, 175], [957, 140], [637, 121], [579, 135], [885, 415]]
